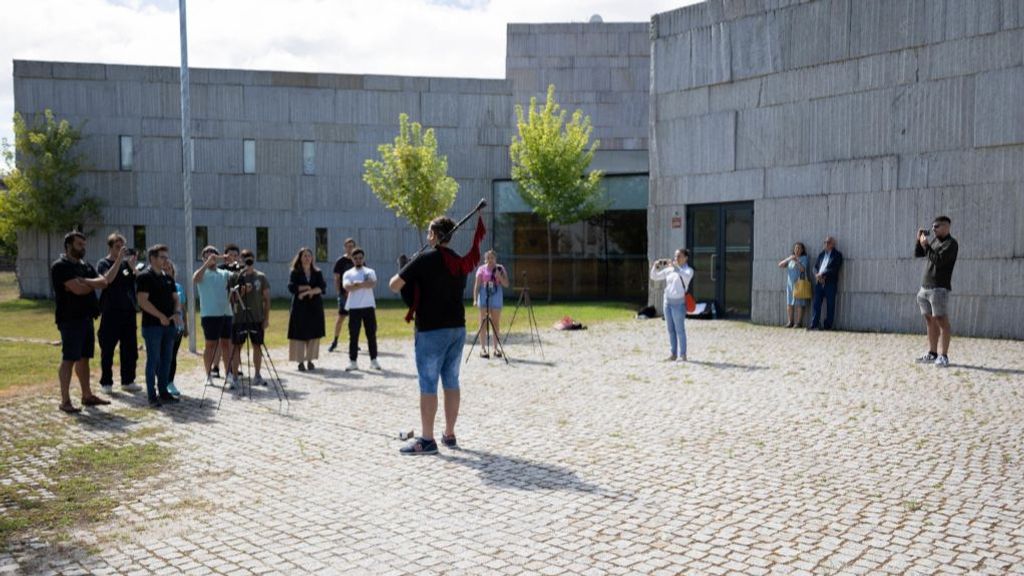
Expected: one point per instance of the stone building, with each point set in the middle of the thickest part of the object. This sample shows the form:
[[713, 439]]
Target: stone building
[[776, 121], [278, 156]]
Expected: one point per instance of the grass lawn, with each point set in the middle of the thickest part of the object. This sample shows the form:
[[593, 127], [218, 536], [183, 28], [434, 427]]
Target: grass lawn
[[24, 363]]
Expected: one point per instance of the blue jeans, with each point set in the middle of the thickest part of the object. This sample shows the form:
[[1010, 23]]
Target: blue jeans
[[675, 319], [159, 351], [439, 355]]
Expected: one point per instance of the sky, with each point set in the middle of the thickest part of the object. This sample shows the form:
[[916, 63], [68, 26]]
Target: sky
[[403, 37]]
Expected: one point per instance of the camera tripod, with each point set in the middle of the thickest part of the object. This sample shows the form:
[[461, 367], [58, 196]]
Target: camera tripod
[[274, 381], [524, 299], [488, 327]]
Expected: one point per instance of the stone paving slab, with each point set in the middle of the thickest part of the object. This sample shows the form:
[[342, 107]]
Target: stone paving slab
[[772, 452]]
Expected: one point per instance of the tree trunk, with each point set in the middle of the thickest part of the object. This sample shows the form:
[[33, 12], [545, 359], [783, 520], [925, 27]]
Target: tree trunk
[[550, 263]]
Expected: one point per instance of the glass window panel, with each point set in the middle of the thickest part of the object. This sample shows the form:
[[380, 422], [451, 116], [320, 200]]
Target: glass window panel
[[202, 240], [321, 251], [127, 153], [262, 244], [249, 156], [309, 158], [139, 238]]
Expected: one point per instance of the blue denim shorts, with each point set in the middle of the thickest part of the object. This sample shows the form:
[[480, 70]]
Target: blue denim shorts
[[439, 355]]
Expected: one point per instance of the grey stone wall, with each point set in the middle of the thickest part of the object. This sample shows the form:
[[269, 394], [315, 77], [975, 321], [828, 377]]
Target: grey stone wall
[[858, 118]]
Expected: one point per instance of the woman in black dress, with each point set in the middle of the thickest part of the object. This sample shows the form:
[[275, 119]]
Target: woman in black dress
[[306, 320]]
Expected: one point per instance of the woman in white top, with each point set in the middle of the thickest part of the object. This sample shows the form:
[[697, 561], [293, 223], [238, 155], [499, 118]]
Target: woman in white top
[[677, 275]]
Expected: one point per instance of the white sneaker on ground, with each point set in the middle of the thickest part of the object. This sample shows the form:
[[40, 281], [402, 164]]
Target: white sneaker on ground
[[232, 381], [928, 358], [258, 381], [375, 365], [351, 366], [682, 358], [133, 387], [107, 388], [942, 361]]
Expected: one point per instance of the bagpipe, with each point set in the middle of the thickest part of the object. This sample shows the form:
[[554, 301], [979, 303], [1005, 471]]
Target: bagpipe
[[455, 264]]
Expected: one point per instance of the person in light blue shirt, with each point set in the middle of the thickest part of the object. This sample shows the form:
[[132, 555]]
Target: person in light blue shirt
[[796, 265], [214, 310]]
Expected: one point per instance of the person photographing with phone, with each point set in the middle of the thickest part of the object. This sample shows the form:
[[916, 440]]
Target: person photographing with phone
[[249, 292], [677, 275], [933, 297], [489, 297], [214, 311]]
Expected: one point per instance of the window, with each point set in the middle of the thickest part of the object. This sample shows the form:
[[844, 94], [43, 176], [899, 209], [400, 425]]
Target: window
[[321, 245], [202, 240], [127, 153], [262, 244], [139, 238], [308, 158], [249, 156]]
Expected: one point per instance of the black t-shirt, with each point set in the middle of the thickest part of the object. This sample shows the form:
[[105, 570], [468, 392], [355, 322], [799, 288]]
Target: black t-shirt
[[941, 254], [441, 304], [342, 265], [161, 290], [119, 295], [71, 306]]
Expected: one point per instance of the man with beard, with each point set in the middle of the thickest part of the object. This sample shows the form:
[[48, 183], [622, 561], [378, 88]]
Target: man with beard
[[75, 282]]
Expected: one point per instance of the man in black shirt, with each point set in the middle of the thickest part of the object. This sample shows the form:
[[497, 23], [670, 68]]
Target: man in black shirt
[[933, 297], [158, 299], [117, 317], [74, 284], [342, 265], [440, 333]]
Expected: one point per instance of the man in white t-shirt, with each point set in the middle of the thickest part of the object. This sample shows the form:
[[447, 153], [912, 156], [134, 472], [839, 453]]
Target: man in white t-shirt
[[359, 282]]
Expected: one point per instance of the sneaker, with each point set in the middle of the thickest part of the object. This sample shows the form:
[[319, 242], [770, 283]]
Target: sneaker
[[172, 390], [449, 441], [169, 398], [154, 403], [375, 365], [942, 361], [232, 382], [419, 447], [258, 381], [351, 366], [215, 373], [131, 387], [928, 358], [671, 358], [333, 346], [107, 388], [302, 366], [682, 358]]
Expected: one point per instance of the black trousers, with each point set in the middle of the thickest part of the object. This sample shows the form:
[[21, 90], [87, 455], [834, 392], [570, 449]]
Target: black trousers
[[174, 356], [357, 318], [118, 327]]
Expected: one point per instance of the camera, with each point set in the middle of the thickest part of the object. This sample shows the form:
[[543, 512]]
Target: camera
[[131, 252]]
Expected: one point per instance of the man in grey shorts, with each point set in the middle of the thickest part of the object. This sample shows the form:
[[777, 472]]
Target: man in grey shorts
[[933, 297]]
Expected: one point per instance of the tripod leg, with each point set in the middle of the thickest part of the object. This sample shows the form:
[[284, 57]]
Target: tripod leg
[[275, 382], [498, 348], [534, 329], [209, 382], [519, 303]]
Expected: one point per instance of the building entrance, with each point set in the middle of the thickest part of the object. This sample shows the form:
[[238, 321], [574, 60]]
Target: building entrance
[[721, 241]]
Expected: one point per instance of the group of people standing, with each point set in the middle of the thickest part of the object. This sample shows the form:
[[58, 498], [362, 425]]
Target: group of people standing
[[822, 291]]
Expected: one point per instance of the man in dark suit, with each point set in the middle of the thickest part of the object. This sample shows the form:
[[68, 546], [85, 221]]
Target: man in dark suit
[[826, 272]]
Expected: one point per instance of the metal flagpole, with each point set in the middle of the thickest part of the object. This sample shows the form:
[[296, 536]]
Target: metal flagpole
[[186, 163]]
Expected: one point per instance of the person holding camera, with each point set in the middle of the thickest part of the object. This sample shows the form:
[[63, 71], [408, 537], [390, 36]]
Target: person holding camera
[[359, 282], [215, 313], [306, 324], [489, 297], [232, 264], [796, 265], [158, 299], [74, 283], [250, 297], [117, 316], [677, 275], [933, 297]]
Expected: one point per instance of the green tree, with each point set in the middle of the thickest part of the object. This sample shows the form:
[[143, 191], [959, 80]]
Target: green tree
[[410, 178], [42, 193], [550, 159]]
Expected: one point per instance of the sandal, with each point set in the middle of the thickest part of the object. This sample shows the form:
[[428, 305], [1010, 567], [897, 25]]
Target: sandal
[[69, 408], [449, 441], [497, 353], [94, 401], [484, 354], [419, 447]]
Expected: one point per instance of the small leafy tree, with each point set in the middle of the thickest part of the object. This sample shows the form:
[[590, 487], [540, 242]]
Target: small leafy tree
[[410, 178], [42, 193], [550, 159]]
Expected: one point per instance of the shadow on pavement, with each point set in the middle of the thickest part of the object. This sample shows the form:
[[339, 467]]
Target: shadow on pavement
[[987, 369], [518, 473], [728, 365]]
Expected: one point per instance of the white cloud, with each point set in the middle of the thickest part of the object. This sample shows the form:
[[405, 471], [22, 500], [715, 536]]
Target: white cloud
[[403, 37]]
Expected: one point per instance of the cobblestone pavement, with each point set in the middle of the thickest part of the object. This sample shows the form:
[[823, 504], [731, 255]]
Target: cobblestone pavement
[[772, 452]]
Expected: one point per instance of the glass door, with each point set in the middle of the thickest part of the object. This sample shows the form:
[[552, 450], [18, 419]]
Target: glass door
[[721, 241]]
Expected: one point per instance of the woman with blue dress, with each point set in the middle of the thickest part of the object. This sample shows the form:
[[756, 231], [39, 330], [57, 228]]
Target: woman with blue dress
[[796, 265]]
